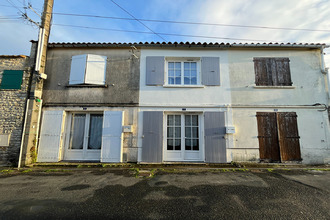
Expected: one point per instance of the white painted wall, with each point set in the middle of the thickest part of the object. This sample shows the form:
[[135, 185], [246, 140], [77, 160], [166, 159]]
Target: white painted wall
[[313, 129], [228, 122], [309, 84], [185, 97], [238, 88]]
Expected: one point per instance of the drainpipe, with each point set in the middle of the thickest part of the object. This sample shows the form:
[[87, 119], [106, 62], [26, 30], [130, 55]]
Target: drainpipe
[[325, 69], [23, 134]]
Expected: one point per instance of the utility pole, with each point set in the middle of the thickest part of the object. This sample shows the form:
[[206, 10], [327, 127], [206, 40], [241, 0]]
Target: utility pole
[[30, 138]]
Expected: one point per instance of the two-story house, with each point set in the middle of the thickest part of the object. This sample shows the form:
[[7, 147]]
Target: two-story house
[[90, 103], [218, 103], [185, 102]]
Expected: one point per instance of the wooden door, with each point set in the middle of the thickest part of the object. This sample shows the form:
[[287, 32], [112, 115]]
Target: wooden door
[[268, 136], [288, 136]]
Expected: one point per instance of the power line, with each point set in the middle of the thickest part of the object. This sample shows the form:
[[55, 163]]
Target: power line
[[187, 22], [138, 20], [144, 32], [10, 2], [30, 7], [194, 23]]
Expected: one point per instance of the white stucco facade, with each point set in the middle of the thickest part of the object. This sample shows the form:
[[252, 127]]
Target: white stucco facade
[[240, 98], [307, 97], [204, 96]]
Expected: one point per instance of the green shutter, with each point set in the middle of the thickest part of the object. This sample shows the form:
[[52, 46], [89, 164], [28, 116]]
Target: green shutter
[[11, 79]]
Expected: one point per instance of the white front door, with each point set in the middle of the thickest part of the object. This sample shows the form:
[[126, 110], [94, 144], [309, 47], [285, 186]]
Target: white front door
[[183, 138], [85, 137]]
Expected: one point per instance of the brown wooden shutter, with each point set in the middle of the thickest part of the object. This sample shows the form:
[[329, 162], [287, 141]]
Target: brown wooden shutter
[[268, 137], [288, 136], [261, 73], [282, 73]]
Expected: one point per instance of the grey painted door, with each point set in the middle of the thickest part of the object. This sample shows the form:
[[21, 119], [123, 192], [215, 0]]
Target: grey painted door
[[152, 144], [215, 143]]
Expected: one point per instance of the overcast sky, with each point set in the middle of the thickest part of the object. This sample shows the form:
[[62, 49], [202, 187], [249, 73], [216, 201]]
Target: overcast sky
[[15, 34]]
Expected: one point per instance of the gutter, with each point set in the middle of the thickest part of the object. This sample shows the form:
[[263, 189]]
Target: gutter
[[314, 106]]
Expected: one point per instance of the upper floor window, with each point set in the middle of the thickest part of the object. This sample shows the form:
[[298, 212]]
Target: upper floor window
[[88, 69], [183, 72], [11, 79], [272, 71]]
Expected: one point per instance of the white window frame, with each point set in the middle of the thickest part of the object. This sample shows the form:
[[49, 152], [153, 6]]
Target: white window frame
[[183, 150], [182, 60], [81, 154]]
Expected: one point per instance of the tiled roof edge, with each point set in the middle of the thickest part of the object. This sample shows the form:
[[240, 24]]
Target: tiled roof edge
[[186, 44]]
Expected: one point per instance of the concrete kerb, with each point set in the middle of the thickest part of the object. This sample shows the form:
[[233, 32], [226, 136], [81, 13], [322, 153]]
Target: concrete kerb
[[149, 170]]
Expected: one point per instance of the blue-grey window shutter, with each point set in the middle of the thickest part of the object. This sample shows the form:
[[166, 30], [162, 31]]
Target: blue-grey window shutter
[[211, 71], [152, 144], [215, 143], [155, 71]]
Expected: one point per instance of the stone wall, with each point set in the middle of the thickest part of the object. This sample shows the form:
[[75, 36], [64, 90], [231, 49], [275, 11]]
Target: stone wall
[[12, 110]]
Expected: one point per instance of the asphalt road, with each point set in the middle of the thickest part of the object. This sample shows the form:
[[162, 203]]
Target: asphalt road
[[107, 194]]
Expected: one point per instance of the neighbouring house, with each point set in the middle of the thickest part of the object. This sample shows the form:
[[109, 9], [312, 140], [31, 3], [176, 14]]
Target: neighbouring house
[[15, 74], [90, 103], [185, 102]]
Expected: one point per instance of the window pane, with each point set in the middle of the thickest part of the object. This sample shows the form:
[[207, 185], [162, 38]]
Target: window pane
[[195, 120], [193, 81], [171, 73], [193, 73], [187, 81], [187, 73], [178, 65], [178, 120], [170, 132], [188, 132], [177, 144], [77, 131], [188, 144], [193, 65], [170, 119], [195, 132], [169, 144], [195, 144], [170, 65], [188, 120], [95, 132], [177, 80], [177, 133], [170, 80], [177, 73]]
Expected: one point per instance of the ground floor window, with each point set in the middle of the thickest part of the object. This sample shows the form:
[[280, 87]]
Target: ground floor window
[[86, 131]]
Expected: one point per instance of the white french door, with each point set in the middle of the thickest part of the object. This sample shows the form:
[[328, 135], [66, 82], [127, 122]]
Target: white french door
[[183, 138], [84, 136]]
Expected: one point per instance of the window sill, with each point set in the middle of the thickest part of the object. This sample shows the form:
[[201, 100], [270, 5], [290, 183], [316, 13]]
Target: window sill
[[87, 86], [183, 86], [274, 87]]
